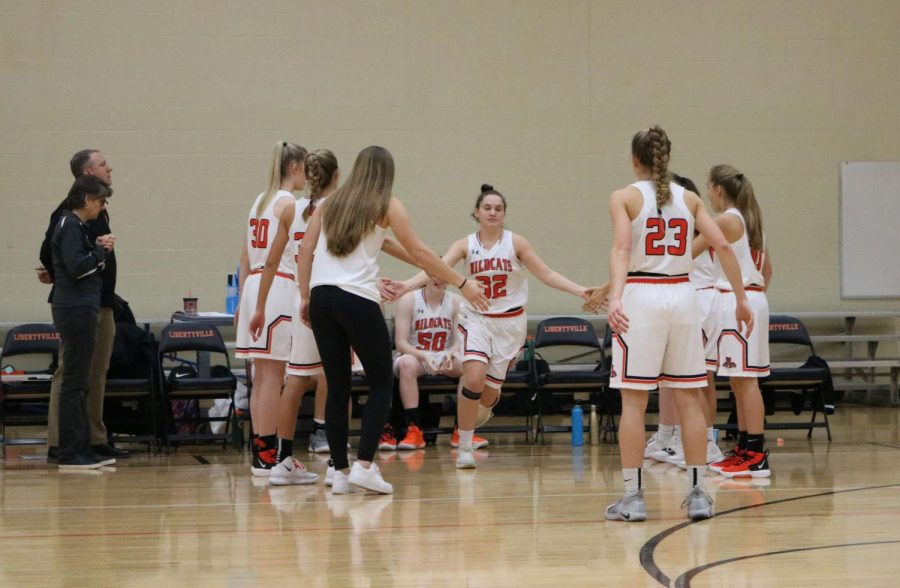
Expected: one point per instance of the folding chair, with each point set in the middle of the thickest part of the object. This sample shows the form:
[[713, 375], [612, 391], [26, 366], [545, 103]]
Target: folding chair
[[812, 377], [25, 393], [569, 332], [177, 340], [132, 379]]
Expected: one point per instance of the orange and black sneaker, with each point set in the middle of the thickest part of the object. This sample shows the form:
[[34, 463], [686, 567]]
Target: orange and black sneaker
[[731, 458], [754, 464], [264, 459], [387, 442], [414, 439], [477, 442]]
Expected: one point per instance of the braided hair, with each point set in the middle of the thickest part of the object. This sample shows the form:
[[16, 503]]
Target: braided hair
[[319, 167], [652, 147]]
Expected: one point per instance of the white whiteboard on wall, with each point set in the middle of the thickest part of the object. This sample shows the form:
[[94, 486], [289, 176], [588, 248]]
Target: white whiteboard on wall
[[870, 229]]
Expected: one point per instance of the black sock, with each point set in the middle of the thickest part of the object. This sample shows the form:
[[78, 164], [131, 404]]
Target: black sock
[[411, 415], [268, 442], [318, 426], [742, 440], [285, 449], [756, 443]]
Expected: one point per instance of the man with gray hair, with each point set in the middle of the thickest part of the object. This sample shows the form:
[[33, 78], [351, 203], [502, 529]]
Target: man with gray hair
[[87, 162]]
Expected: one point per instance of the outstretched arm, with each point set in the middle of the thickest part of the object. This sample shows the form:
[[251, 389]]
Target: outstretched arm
[[530, 259]]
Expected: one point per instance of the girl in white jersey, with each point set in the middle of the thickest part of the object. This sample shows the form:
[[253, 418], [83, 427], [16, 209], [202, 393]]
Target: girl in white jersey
[[341, 302], [742, 358], [270, 351], [424, 332], [665, 445], [304, 370], [653, 314], [496, 259]]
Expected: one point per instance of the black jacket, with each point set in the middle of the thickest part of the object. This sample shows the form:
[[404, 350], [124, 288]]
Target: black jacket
[[78, 264], [96, 228]]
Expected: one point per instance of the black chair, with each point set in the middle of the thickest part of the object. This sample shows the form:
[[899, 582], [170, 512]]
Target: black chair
[[184, 382], [25, 393], [809, 380], [575, 333], [132, 381]]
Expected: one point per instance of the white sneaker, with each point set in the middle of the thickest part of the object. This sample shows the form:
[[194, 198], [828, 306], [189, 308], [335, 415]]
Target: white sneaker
[[465, 458], [483, 416], [653, 445], [713, 453], [674, 452], [290, 471], [329, 474], [340, 483], [370, 479], [318, 443]]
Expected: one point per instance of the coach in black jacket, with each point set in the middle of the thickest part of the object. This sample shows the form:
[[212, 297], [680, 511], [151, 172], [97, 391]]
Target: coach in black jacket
[[78, 262], [87, 162]]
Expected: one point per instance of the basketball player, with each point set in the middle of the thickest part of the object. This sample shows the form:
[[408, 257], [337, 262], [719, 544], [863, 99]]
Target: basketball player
[[742, 358], [496, 259], [341, 302], [654, 316], [304, 369], [424, 331], [665, 445], [271, 350]]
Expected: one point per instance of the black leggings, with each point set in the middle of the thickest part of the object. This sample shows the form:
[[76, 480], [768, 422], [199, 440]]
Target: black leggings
[[341, 320]]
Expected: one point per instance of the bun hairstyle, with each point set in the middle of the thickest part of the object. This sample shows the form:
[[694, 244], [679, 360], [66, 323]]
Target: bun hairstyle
[[319, 167], [285, 154], [487, 190], [652, 147], [739, 191]]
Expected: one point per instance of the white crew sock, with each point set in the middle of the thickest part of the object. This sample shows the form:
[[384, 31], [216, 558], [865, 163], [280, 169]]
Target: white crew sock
[[632, 477], [465, 439], [664, 433]]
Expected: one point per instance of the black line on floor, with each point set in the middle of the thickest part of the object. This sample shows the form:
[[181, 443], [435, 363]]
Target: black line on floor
[[201, 459], [883, 445], [684, 580], [647, 550]]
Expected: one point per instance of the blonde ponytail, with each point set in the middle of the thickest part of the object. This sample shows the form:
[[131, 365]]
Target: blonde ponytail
[[739, 192], [285, 154]]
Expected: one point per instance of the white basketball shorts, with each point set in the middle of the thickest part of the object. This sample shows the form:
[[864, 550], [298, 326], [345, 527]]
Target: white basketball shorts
[[664, 343], [739, 355], [493, 339], [275, 341]]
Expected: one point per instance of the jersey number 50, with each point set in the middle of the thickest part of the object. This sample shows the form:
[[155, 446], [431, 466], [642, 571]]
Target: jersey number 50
[[494, 286], [432, 341], [657, 228], [260, 228]]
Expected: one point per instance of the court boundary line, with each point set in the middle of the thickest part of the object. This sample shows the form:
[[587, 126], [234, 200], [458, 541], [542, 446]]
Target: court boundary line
[[646, 554], [684, 580]]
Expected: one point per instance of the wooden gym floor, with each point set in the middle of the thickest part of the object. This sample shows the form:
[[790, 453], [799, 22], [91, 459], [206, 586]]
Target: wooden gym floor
[[528, 516]]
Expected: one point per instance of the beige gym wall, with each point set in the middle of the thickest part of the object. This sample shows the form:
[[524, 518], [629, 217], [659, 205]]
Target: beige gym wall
[[540, 98]]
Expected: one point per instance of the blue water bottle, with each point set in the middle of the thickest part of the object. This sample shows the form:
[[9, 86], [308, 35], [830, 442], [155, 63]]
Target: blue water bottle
[[231, 294], [577, 426]]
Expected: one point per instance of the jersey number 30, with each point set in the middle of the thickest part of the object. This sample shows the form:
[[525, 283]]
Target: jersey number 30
[[494, 286], [260, 227], [657, 232]]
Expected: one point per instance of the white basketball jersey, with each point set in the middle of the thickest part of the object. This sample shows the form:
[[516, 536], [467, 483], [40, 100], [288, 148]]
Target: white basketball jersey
[[751, 262], [356, 272], [704, 273], [661, 239], [499, 272], [299, 226], [432, 328], [261, 232]]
